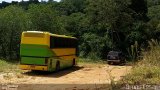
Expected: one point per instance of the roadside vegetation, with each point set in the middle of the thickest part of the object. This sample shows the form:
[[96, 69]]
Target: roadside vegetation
[[12, 66], [6, 66], [147, 70], [92, 61]]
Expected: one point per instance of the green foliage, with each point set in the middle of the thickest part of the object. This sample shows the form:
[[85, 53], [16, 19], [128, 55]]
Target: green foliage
[[154, 24], [67, 7], [76, 24], [93, 45], [8, 67], [12, 22], [151, 3], [154, 12], [43, 18], [100, 25], [147, 70]]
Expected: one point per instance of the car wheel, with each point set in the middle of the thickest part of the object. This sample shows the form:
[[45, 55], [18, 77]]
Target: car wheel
[[109, 62]]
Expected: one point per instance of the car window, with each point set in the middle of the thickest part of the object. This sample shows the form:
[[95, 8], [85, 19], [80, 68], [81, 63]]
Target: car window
[[113, 53]]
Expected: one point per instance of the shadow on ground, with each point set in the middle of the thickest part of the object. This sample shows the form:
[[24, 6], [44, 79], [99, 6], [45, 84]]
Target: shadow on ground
[[53, 74]]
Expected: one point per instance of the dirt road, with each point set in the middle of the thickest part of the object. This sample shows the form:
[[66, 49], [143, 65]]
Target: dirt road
[[83, 74]]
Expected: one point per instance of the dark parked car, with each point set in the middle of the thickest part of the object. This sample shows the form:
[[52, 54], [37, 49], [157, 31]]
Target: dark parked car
[[115, 57]]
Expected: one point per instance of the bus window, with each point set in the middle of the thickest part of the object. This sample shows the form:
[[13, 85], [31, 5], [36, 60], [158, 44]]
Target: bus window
[[60, 42], [51, 42]]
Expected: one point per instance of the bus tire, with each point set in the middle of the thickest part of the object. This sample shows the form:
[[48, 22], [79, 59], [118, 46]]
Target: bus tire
[[57, 66], [74, 62]]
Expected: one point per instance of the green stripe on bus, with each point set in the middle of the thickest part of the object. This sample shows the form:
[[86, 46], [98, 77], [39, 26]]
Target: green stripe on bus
[[35, 50], [34, 61], [63, 63]]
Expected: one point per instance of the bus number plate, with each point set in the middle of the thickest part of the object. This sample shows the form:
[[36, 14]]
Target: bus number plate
[[32, 67]]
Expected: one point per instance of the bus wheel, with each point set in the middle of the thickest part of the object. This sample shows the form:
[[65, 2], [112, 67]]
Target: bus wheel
[[74, 62], [57, 66]]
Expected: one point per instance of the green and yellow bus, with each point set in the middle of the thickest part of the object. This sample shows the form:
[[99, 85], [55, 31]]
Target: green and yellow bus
[[44, 51]]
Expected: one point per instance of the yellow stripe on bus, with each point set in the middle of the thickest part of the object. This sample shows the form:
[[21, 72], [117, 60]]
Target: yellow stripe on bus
[[35, 40], [68, 57], [33, 67], [64, 51]]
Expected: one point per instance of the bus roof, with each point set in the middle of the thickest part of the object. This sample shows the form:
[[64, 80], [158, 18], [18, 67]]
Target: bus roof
[[33, 32], [64, 36], [56, 35]]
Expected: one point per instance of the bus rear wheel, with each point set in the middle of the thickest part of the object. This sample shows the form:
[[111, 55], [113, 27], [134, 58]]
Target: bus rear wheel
[[57, 66]]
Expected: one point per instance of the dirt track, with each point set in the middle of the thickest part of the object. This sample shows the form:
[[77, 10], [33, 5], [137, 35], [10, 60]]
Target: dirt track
[[84, 74]]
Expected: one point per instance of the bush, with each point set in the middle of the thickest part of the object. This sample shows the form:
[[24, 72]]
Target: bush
[[146, 71]]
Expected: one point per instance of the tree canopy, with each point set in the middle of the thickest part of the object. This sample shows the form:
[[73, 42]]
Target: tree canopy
[[99, 25]]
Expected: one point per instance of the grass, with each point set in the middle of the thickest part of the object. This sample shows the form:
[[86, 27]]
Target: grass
[[6, 66], [147, 70], [91, 61]]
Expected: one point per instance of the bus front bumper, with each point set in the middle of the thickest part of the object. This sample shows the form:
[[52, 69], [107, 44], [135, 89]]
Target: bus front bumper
[[114, 60], [33, 67]]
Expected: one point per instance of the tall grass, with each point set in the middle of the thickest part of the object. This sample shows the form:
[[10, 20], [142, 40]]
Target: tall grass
[[146, 71], [133, 52], [8, 66]]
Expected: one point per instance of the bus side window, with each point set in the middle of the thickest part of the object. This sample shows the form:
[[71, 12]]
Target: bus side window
[[69, 43], [51, 42], [59, 42]]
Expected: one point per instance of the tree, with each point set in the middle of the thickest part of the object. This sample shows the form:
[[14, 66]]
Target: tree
[[43, 18], [67, 7], [13, 21], [140, 9]]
